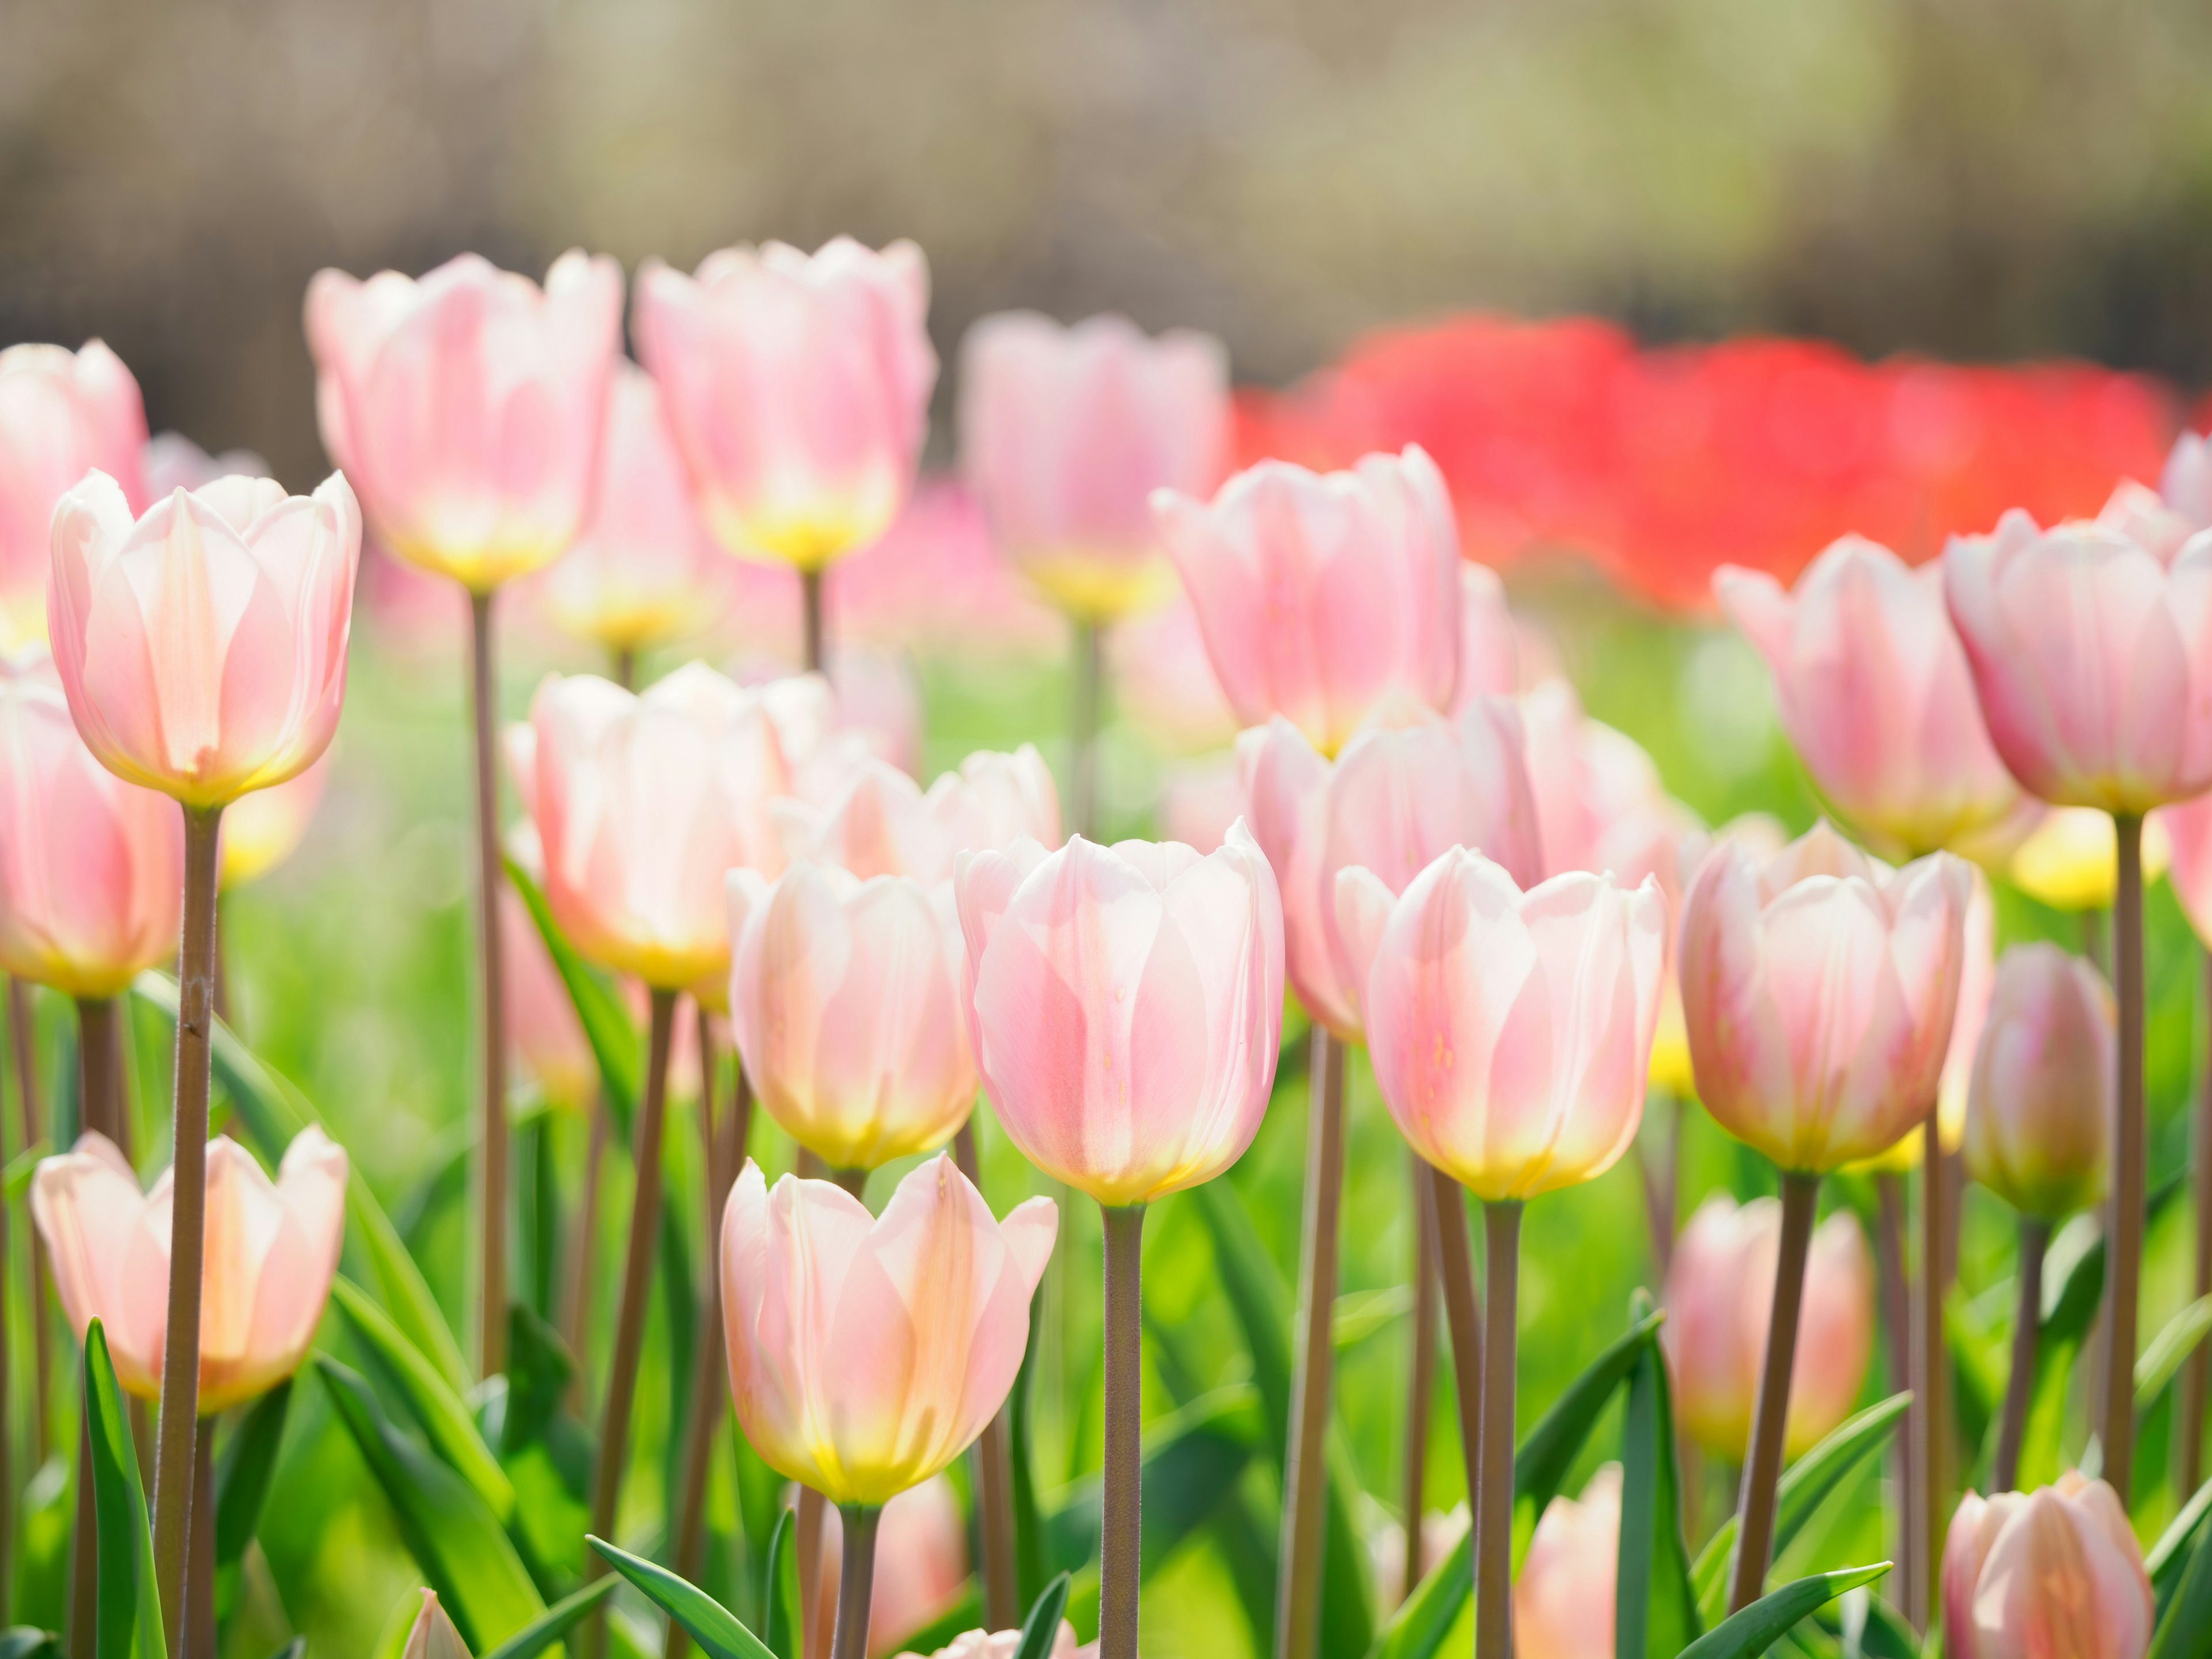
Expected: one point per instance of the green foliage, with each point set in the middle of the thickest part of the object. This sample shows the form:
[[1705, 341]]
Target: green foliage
[[128, 1625], [555, 1622], [708, 1623], [1654, 1604], [607, 1025], [1041, 1628], [781, 1623], [1757, 1627], [241, 1486]]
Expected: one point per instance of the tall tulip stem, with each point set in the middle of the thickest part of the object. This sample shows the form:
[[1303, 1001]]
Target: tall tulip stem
[[2027, 1314], [1769, 1415], [2196, 1371], [1121, 1528], [2119, 1424], [178, 1425], [1420, 1372], [21, 1038], [814, 641], [583, 1252], [856, 1579], [636, 1290], [199, 1549], [1930, 1423], [1897, 1341], [1494, 1502], [1305, 1477], [1086, 698], [100, 1070], [1462, 1315], [994, 1466], [484, 700]]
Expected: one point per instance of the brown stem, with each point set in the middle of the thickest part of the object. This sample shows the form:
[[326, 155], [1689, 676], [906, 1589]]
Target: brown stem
[[1086, 695], [2197, 1374], [1421, 1372], [1494, 1502], [176, 1428], [199, 1549], [994, 1466], [1462, 1317], [814, 641], [856, 1579], [2027, 1315], [1897, 1344], [2127, 1163], [1658, 1168], [21, 1039], [636, 1290], [1120, 1531], [1305, 1476], [583, 1253], [1771, 1413], [625, 668], [100, 1072], [491, 1340], [1931, 1374]]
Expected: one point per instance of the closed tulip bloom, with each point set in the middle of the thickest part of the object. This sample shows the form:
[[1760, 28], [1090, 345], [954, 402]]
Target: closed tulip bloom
[[2186, 485], [1563, 1601], [2040, 1112], [170, 461], [1002, 1643], [271, 1248], [797, 386], [1600, 803], [1065, 433], [1126, 1006], [2036, 1574], [62, 414], [1322, 595], [91, 867], [1818, 990], [1410, 785], [262, 830], [2092, 658], [467, 406], [884, 824], [866, 1353], [541, 1019], [203, 646], [433, 1635], [921, 1564], [1511, 1031], [642, 804], [1875, 693], [1720, 1286]]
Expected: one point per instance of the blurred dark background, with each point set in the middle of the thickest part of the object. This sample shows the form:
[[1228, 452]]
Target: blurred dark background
[[1985, 180]]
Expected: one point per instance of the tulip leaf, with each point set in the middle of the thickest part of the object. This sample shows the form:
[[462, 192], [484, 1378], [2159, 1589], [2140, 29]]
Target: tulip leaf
[[1654, 1604], [241, 1486], [2185, 1628], [128, 1622], [29, 1642], [2170, 1556], [455, 1539], [1868, 1627], [2171, 1345], [1758, 1627], [607, 1025], [1041, 1628], [2073, 1286], [711, 1624], [540, 1633], [779, 1615]]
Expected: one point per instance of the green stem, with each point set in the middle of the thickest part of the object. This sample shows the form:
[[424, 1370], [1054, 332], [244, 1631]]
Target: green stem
[[1493, 1505], [583, 1250], [1898, 1344], [994, 1466], [1121, 1527], [1462, 1317], [2027, 1314], [1931, 1377], [1769, 1414], [856, 1579], [1420, 1372], [2127, 1163], [1305, 1470], [484, 699], [20, 1040]]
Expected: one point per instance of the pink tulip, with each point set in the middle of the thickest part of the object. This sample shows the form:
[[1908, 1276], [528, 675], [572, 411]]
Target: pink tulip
[[1127, 1006], [1001, 1643], [1511, 1031], [467, 406], [541, 1019], [91, 867], [798, 389], [1720, 1288], [1875, 694], [2036, 1574], [866, 1353], [921, 1565], [2092, 658], [2040, 1114], [1164, 683], [1818, 990], [271, 1249], [1978, 971], [2187, 830], [884, 824], [1600, 803], [2185, 486], [203, 648], [1322, 595], [62, 413], [262, 830], [1199, 800], [642, 804], [1490, 651], [643, 570], [845, 1000], [1409, 786], [170, 461], [1065, 433], [1563, 1602]]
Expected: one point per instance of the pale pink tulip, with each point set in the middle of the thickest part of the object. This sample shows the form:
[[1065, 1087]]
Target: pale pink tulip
[[1320, 596], [1875, 694], [883, 824], [1126, 1006], [2038, 1575], [467, 406], [1490, 653], [1978, 972], [1001, 1643], [1600, 803], [1164, 685], [642, 804], [798, 389], [1511, 1031], [262, 830], [642, 569], [1818, 990], [91, 868], [2040, 1114], [1409, 785], [271, 1249], [1720, 1288], [2185, 486], [2187, 830], [1563, 1601], [62, 414], [203, 646], [541, 1019], [2093, 657], [433, 1635], [171, 461], [866, 1353], [1065, 433], [921, 1565]]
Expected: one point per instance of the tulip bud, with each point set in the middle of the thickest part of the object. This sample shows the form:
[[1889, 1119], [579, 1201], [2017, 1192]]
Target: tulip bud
[[1001, 1643], [2040, 1109], [2035, 1575], [1563, 1602], [432, 1636]]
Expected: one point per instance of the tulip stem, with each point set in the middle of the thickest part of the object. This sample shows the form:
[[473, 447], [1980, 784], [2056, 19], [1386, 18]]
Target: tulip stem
[[2196, 1373], [583, 1253], [100, 1072], [1462, 1317], [1770, 1414], [2027, 1314], [1931, 1378], [1085, 700], [856, 1579], [1420, 1372], [1121, 1528], [1306, 1479], [2119, 1424], [199, 1549], [636, 1290], [995, 1465], [21, 1038], [1897, 1342], [815, 638], [1494, 1502], [491, 1312]]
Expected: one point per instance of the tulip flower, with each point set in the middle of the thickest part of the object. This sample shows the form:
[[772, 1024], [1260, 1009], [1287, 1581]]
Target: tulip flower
[[1720, 1285], [2056, 1571], [1002, 1644], [1320, 595], [62, 414], [921, 1565], [263, 1282], [541, 1017], [170, 461], [262, 830], [1198, 799], [1065, 433], [1877, 697], [432, 1636], [1490, 651], [1164, 683], [2186, 485], [883, 824], [1563, 1602]]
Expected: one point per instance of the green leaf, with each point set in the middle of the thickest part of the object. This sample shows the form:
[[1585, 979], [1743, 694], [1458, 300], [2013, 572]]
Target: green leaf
[[241, 1486], [2173, 1345], [1192, 1460], [128, 1622], [607, 1024], [295, 1649], [454, 1537], [1758, 1627], [541, 1633], [2184, 1630], [1655, 1605], [711, 1624], [2170, 1555], [1878, 1630], [28, 1642], [1041, 1628], [1029, 1569], [780, 1617]]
